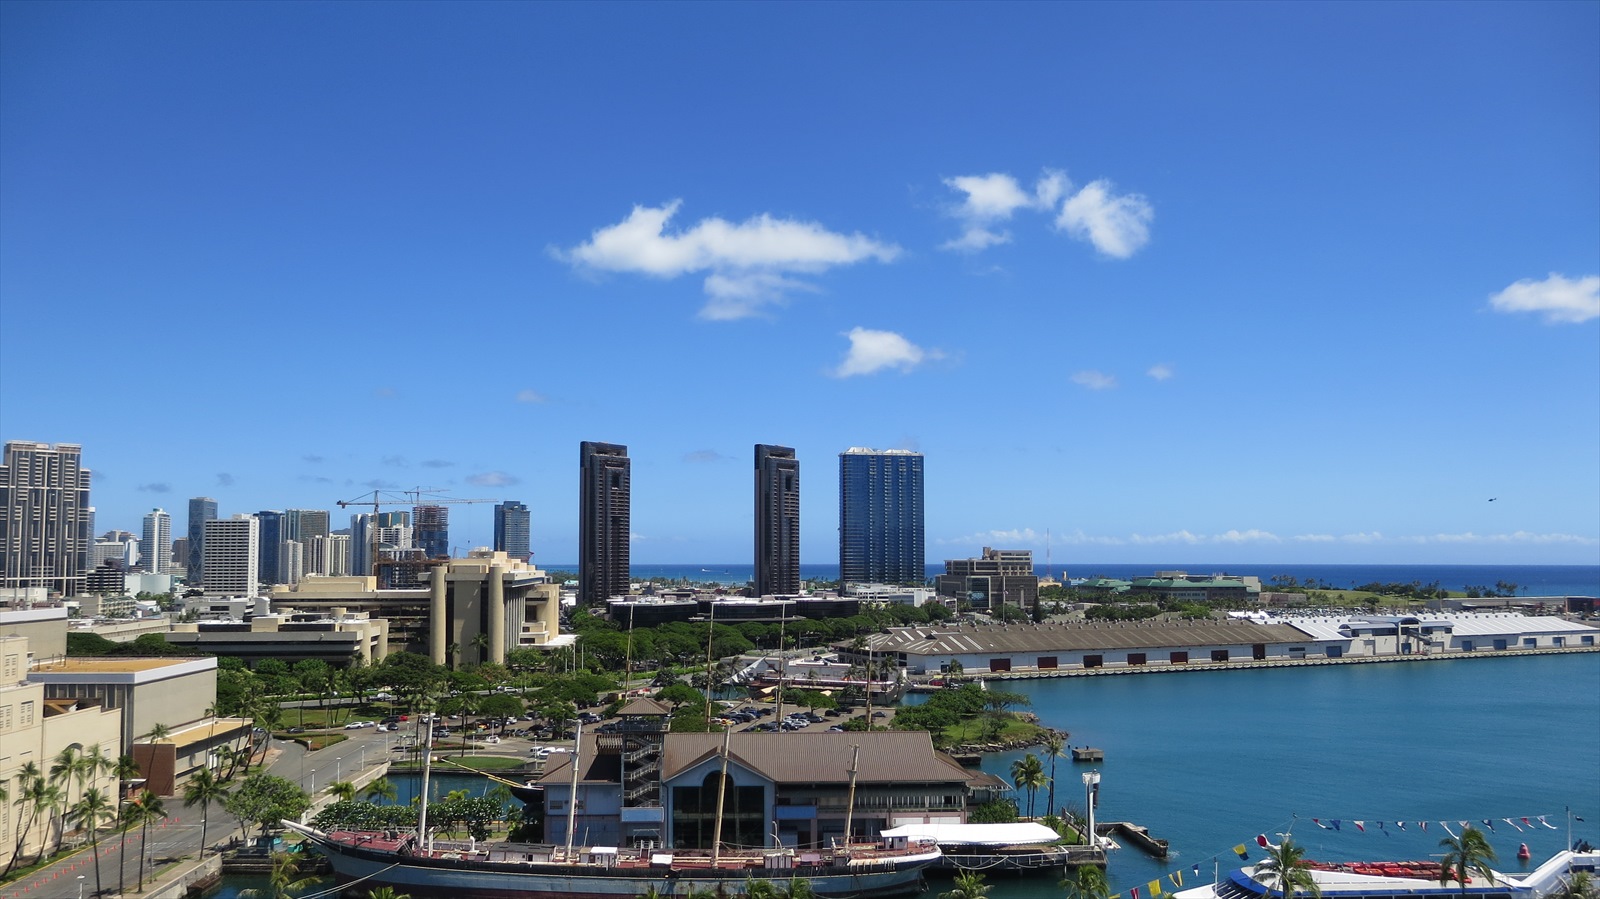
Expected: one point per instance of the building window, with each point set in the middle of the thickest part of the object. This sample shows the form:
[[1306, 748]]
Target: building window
[[1219, 655], [1136, 658], [26, 717], [1180, 658], [5, 717], [11, 666], [1047, 661], [999, 664], [1093, 661]]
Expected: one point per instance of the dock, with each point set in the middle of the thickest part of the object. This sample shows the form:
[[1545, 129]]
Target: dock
[[1088, 754], [1137, 834]]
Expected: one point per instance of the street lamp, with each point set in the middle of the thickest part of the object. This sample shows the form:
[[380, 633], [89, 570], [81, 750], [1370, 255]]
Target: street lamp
[[80, 886], [363, 758], [313, 781], [338, 769]]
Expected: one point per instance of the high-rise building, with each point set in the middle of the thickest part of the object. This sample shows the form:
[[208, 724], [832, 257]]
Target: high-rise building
[[777, 520], [303, 524], [513, 530], [999, 577], [270, 534], [156, 545], [46, 522], [328, 556], [880, 516], [120, 547], [605, 503], [201, 510], [291, 562], [431, 530], [231, 556]]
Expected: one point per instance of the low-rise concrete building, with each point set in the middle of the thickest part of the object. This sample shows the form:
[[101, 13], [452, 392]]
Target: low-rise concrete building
[[338, 636], [997, 576]]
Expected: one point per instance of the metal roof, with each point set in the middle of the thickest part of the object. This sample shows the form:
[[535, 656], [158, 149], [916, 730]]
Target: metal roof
[[805, 758], [1072, 637]]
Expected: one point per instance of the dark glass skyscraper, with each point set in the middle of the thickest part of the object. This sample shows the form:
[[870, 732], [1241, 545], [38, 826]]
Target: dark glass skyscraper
[[777, 520], [605, 502], [431, 530], [880, 516], [201, 510], [267, 540], [513, 530]]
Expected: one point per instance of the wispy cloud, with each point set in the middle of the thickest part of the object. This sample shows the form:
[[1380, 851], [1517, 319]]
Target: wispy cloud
[[395, 461], [1002, 539], [492, 479], [748, 265], [224, 479], [1094, 380], [313, 459], [380, 484], [530, 396], [155, 487], [1562, 301], [1115, 224], [383, 392], [437, 463], [1161, 371], [1256, 536], [872, 351], [704, 455]]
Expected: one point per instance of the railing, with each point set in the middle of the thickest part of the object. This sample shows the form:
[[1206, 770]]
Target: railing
[[640, 753]]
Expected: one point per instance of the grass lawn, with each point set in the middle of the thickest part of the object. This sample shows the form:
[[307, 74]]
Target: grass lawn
[[976, 730], [476, 763]]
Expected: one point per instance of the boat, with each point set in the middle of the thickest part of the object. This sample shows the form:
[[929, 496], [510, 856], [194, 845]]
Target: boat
[[365, 860], [414, 862], [1015, 846], [1413, 880]]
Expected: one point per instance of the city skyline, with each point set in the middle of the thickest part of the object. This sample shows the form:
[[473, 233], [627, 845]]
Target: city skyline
[[1249, 283]]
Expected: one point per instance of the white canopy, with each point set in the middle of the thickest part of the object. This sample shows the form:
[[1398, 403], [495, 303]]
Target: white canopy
[[1014, 834]]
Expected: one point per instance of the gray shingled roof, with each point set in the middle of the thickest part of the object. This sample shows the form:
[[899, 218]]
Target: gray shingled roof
[[644, 706], [936, 640], [801, 758]]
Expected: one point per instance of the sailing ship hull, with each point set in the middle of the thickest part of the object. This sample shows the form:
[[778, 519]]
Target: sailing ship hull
[[505, 874]]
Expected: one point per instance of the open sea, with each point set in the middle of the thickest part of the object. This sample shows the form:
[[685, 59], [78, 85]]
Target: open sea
[[1533, 580]]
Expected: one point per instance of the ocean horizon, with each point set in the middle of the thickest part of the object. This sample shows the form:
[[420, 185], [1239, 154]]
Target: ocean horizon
[[1532, 580]]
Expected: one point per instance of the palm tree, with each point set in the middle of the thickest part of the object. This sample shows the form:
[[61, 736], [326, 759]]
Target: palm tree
[[66, 764], [382, 788], [92, 808], [97, 762], [1053, 744], [1028, 772], [203, 789], [30, 796], [1465, 855], [386, 893], [283, 882], [1087, 882], [144, 810], [344, 790], [1579, 886], [1286, 870], [969, 885], [125, 771]]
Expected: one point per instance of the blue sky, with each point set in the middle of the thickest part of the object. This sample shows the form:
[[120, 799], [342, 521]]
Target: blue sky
[[1244, 282]]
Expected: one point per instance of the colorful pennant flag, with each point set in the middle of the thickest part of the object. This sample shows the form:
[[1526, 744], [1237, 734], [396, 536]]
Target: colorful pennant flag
[[1261, 840], [1423, 825], [1446, 826], [1335, 823], [1360, 825], [1238, 850], [1547, 823], [1489, 824], [1197, 870], [1134, 892], [1155, 887], [1176, 877], [1400, 824], [1319, 824], [1525, 821], [1512, 823]]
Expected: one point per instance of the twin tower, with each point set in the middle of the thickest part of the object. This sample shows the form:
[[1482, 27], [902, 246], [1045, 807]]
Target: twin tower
[[880, 519]]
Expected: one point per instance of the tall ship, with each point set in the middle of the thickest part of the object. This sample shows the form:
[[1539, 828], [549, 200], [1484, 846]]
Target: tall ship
[[414, 862]]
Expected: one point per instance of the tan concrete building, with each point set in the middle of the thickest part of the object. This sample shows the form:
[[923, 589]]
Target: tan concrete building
[[34, 730], [336, 636], [144, 693], [473, 610]]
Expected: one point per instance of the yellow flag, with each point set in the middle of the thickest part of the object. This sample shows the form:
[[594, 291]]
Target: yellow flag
[[1155, 887], [1176, 877]]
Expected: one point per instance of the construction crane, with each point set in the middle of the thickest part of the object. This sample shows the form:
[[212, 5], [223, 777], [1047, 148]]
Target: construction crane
[[418, 496]]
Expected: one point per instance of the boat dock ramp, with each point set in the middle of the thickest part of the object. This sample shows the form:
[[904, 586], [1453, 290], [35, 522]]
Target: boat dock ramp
[[1137, 834]]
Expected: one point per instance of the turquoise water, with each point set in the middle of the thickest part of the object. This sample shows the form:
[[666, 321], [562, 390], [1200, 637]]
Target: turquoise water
[[1208, 760]]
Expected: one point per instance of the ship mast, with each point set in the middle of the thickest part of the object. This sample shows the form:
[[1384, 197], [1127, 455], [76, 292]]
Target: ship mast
[[422, 814], [850, 801], [572, 798], [722, 796]]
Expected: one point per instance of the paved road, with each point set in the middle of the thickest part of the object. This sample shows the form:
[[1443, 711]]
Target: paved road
[[179, 833]]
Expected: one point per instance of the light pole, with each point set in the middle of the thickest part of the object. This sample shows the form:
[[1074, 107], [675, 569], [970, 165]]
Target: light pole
[[338, 769], [363, 758], [80, 886], [313, 781], [1091, 789]]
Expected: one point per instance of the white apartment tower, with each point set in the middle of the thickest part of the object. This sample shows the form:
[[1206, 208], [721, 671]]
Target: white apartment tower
[[231, 556], [155, 547]]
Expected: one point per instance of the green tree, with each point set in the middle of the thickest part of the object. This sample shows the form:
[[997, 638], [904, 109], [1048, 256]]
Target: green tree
[[30, 802], [1285, 870], [1087, 882], [969, 885], [266, 799], [284, 881], [1464, 856], [1578, 885], [382, 788], [145, 810], [203, 789], [386, 893], [125, 771], [343, 790], [1053, 746], [1028, 773], [90, 810]]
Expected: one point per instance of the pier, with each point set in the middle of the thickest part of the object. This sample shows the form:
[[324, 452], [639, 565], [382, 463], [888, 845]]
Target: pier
[[1137, 834]]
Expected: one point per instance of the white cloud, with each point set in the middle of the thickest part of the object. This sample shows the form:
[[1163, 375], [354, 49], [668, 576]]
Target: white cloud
[[872, 351], [1116, 225], [745, 262], [1361, 538], [1160, 372], [492, 479], [1560, 300], [1094, 380], [1251, 536], [704, 455], [530, 396], [995, 197], [1008, 539]]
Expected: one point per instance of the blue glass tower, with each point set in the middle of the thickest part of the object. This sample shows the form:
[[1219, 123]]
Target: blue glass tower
[[880, 517], [512, 530]]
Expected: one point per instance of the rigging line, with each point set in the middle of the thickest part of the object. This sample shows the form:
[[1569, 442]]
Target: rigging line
[[340, 888]]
